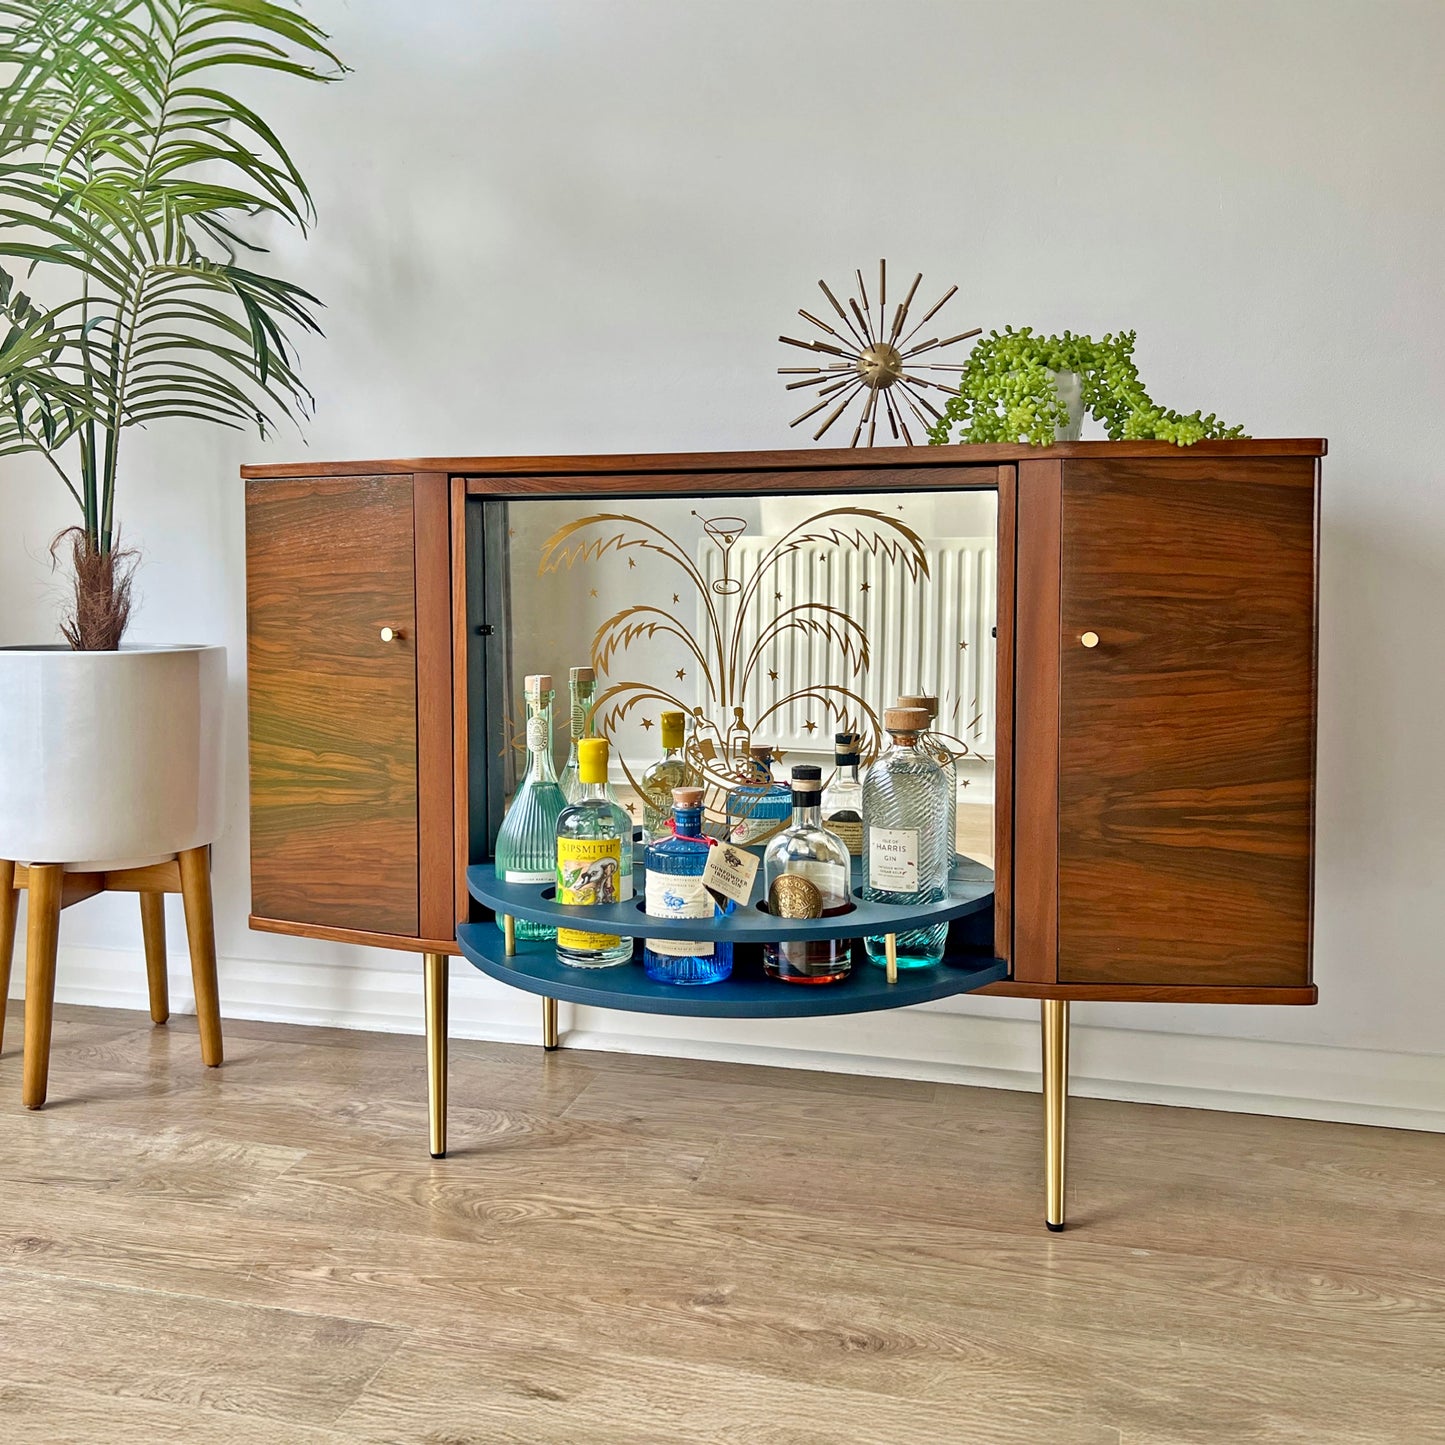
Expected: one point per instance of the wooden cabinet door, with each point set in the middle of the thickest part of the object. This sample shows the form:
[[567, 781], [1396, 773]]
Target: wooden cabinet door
[[1186, 734], [333, 707]]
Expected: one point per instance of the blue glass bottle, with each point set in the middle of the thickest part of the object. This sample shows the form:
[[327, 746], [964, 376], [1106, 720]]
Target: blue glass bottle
[[675, 865], [759, 807]]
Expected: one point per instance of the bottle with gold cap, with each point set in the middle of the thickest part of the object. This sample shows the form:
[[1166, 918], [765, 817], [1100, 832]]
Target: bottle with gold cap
[[526, 850], [935, 745], [905, 850], [594, 861], [675, 866], [670, 772]]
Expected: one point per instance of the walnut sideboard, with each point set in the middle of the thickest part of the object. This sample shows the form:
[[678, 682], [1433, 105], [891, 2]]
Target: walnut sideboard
[[1154, 704]]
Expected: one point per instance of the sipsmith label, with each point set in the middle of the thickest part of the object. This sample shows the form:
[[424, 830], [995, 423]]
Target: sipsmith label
[[590, 874]]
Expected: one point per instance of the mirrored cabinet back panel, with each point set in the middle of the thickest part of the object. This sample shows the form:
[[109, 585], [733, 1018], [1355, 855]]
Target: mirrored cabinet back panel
[[1118, 641]]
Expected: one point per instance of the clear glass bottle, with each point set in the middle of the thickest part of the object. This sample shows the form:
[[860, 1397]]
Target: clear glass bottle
[[805, 874], [905, 858], [758, 808], [581, 688], [526, 850], [843, 797], [675, 867], [937, 747], [739, 743], [664, 777], [594, 861]]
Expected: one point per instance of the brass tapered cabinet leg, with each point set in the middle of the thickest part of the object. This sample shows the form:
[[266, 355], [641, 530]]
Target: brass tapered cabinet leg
[[1056, 1097], [437, 979], [549, 1024]]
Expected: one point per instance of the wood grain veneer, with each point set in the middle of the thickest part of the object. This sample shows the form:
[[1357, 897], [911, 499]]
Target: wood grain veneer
[[1003, 783], [846, 459], [1187, 734], [1036, 724], [333, 708], [432, 550]]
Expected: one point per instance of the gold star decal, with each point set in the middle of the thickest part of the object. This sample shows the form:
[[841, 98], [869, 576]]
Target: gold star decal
[[632, 808], [866, 587], [647, 722], [812, 727], [676, 598], [772, 674], [681, 673], [777, 596], [632, 561], [594, 591], [962, 645], [511, 531]]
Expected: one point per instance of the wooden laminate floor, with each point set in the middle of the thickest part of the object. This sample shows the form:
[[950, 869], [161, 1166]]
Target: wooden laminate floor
[[623, 1250]]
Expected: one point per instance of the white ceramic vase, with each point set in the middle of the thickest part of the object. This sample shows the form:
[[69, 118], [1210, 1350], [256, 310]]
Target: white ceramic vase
[[1069, 387], [109, 759]]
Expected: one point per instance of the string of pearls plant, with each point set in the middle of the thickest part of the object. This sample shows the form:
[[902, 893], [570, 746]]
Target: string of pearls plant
[[1008, 393]]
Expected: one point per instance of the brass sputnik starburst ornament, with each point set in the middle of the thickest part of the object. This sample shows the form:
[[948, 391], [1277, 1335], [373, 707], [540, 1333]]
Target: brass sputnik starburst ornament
[[875, 362]]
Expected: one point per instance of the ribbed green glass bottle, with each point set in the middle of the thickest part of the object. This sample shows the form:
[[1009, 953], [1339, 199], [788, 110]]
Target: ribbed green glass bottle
[[526, 849]]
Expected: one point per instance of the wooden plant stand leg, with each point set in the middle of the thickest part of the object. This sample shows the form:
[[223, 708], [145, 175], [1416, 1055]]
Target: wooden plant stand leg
[[46, 882], [9, 907], [153, 931], [1056, 1095], [195, 866], [437, 979]]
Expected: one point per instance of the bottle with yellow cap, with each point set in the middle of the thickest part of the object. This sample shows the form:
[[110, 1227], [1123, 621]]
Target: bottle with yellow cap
[[594, 861], [671, 771]]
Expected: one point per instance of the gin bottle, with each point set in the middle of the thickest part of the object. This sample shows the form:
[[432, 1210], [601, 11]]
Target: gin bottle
[[581, 687], [594, 861], [660, 781], [526, 850], [843, 797], [739, 742], [805, 873], [675, 865], [757, 808], [940, 751], [906, 858]]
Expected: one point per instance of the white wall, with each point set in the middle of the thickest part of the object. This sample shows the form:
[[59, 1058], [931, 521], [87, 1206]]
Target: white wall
[[575, 227]]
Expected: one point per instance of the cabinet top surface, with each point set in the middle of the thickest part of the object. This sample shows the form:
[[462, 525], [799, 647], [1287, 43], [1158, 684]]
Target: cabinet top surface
[[814, 459]]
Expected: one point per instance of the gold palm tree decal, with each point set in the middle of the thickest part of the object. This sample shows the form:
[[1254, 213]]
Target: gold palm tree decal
[[727, 666]]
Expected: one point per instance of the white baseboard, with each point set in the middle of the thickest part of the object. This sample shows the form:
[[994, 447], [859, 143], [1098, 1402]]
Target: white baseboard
[[1307, 1081]]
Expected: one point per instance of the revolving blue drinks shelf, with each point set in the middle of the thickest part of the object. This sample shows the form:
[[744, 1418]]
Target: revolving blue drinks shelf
[[968, 964]]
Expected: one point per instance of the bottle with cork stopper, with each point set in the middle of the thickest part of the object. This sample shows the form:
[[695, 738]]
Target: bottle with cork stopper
[[905, 849], [676, 863]]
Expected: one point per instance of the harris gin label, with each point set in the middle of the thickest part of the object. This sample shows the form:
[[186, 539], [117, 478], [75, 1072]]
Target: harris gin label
[[893, 859]]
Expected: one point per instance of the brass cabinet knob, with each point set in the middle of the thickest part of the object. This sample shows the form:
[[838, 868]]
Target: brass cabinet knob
[[389, 634], [1090, 639]]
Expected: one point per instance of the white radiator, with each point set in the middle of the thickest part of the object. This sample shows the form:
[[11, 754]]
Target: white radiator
[[929, 635]]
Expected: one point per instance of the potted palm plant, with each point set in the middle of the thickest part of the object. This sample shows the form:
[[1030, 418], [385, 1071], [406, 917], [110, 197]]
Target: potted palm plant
[[132, 186]]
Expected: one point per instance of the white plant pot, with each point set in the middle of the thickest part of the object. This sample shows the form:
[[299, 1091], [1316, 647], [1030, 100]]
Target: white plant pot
[[109, 759], [1070, 390]]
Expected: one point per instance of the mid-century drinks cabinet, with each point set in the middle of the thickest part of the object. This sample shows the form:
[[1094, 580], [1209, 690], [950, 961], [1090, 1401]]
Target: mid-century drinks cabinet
[[1154, 712]]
